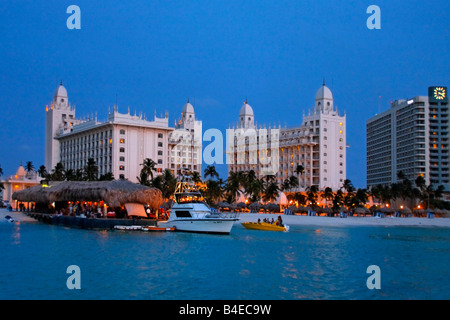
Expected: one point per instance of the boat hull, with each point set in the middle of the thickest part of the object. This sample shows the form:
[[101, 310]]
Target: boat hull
[[215, 226], [264, 226]]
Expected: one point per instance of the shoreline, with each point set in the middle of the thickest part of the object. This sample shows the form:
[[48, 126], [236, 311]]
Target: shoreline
[[323, 221], [292, 220]]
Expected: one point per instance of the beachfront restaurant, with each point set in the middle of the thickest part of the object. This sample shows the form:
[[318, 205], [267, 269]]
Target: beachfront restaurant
[[120, 199]]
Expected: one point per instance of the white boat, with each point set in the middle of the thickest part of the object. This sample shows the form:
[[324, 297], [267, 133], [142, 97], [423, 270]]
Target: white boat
[[190, 213]]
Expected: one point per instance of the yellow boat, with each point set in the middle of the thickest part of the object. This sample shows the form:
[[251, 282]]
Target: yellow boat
[[264, 226]]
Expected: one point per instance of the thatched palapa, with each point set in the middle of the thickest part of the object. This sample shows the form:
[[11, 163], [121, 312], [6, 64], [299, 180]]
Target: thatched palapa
[[115, 193]]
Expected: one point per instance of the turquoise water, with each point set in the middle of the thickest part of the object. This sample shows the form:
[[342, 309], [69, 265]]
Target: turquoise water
[[305, 263]]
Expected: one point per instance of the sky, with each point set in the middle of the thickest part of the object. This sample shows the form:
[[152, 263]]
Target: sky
[[154, 55]]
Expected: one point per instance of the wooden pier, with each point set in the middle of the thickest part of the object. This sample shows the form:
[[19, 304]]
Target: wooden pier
[[90, 223]]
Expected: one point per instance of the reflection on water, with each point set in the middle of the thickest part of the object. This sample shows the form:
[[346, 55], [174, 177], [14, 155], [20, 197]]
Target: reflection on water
[[304, 263], [16, 233]]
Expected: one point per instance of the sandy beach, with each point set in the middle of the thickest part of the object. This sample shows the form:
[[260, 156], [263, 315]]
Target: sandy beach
[[304, 220], [349, 221]]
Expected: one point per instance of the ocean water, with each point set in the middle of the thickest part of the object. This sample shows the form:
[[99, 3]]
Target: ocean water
[[308, 262]]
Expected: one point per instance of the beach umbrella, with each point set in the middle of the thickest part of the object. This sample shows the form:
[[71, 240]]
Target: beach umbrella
[[446, 213], [241, 205], [419, 212], [273, 207], [254, 206], [360, 211], [326, 210], [223, 204], [405, 211]]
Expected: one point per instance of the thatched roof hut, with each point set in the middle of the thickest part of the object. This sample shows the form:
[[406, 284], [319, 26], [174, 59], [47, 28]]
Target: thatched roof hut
[[115, 193]]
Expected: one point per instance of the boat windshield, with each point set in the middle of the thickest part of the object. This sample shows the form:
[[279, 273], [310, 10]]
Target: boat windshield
[[189, 198]]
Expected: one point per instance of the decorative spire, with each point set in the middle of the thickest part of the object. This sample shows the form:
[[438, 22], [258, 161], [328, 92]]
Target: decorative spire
[[324, 81]]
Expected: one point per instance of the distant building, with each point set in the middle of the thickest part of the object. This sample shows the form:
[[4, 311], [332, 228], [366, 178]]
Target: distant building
[[185, 142], [19, 181], [412, 137], [318, 144], [120, 144]]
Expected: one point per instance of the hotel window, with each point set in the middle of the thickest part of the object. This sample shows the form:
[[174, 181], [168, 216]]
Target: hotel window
[[122, 168], [121, 176], [160, 153], [122, 149], [160, 144], [160, 161], [160, 135], [122, 159], [122, 140], [122, 131]]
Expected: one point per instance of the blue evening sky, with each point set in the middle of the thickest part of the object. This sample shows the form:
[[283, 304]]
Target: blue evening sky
[[155, 54]]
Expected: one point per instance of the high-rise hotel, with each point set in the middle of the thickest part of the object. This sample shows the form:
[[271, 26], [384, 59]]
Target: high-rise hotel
[[412, 137], [121, 143], [318, 144]]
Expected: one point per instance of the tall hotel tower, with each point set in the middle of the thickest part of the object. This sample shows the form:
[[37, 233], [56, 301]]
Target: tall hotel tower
[[318, 144], [412, 137]]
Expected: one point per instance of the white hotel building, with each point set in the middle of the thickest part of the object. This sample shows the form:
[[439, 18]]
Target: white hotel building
[[318, 144], [121, 143], [412, 136]]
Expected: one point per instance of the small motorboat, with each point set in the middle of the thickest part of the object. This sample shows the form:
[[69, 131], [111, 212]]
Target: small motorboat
[[265, 226], [153, 228], [9, 218], [130, 228]]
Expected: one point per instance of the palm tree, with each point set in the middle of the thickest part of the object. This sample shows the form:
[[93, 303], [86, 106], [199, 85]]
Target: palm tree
[[91, 170], [166, 182], [148, 167], [109, 176], [211, 172], [271, 191], [255, 189], [70, 175], [299, 197], [196, 177], [213, 190], [299, 169], [361, 197], [42, 171], [311, 194], [327, 194], [338, 200], [58, 173], [233, 185], [29, 166]]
